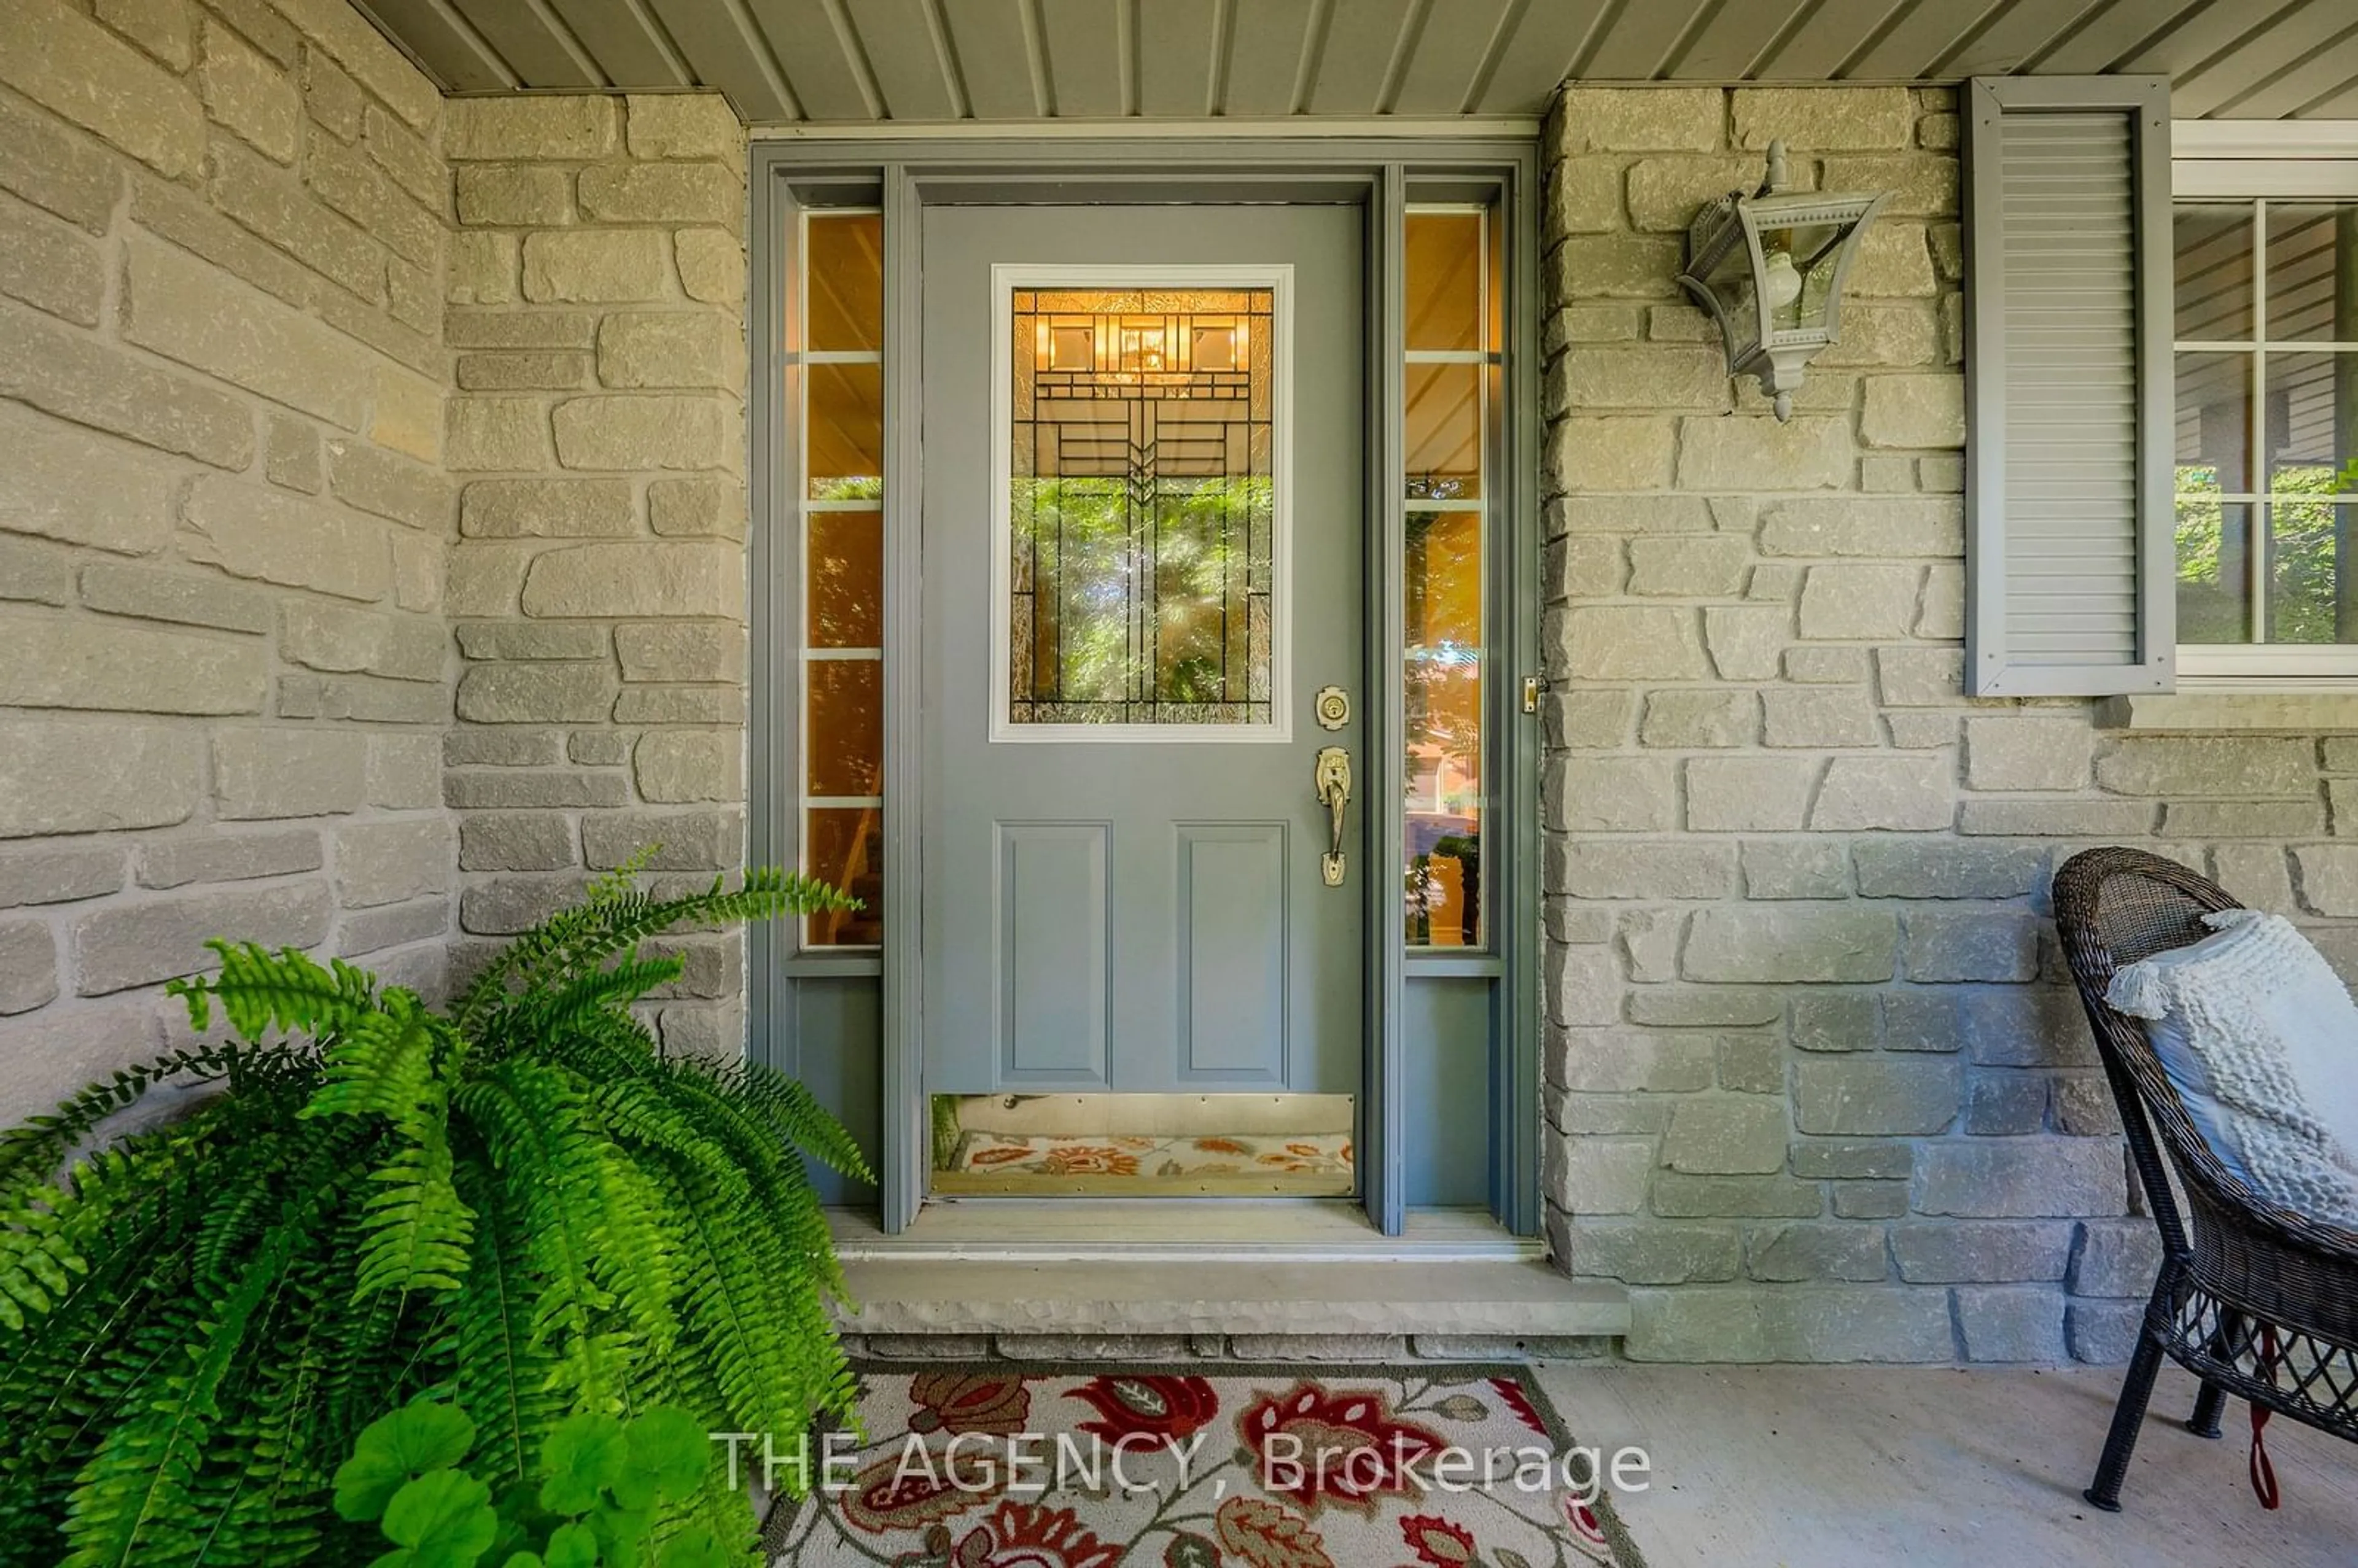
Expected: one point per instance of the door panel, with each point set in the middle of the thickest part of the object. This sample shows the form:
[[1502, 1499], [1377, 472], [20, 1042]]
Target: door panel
[[1055, 916], [1107, 907]]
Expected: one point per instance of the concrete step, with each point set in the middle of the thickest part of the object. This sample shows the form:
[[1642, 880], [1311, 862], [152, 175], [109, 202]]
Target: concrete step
[[1518, 1298]]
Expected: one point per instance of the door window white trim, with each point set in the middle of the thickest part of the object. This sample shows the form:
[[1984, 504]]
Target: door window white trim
[[1006, 278]]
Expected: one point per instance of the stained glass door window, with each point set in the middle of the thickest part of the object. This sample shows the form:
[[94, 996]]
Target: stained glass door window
[[1143, 522]]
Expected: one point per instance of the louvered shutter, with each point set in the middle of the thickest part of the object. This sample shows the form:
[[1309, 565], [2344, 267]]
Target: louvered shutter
[[2068, 493]]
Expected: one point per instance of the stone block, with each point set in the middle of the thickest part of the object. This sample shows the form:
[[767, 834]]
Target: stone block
[[519, 329], [286, 771], [1914, 411], [1582, 986], [2027, 751], [594, 266], [1750, 1064], [2022, 1177], [1949, 945], [2277, 820], [77, 662], [1704, 1006], [645, 431], [536, 694], [1906, 794], [1922, 186], [699, 508], [682, 126], [501, 640], [36, 573], [480, 269], [711, 265], [680, 705], [522, 372], [1699, 719], [1851, 1159], [694, 650], [391, 862], [1608, 795], [516, 841], [48, 266], [62, 60], [1788, 945], [1688, 567], [1584, 197], [1612, 119], [227, 857], [1817, 718], [1598, 1176], [2329, 878], [522, 129], [1677, 1195], [68, 484], [1782, 868], [163, 28], [375, 480], [1894, 260], [661, 193], [1741, 1134], [246, 92], [689, 766], [495, 433], [1862, 1095], [201, 316], [1845, 119], [1633, 643], [79, 378], [1626, 1061], [545, 508], [419, 565], [1814, 1249], [503, 789], [1591, 720], [87, 778], [2011, 1323], [55, 171], [1614, 266], [366, 931], [1750, 794], [271, 536], [405, 773], [2006, 1105], [2057, 819], [59, 876], [2114, 1258], [1747, 642], [1645, 1252], [29, 965], [2084, 1107], [1591, 869], [291, 455], [2030, 1026], [1868, 1200], [1594, 454], [2103, 1332], [329, 637], [1878, 527], [2232, 766], [512, 196], [1653, 378], [1744, 454], [653, 578], [674, 842], [672, 348], [507, 905], [501, 748], [1858, 599], [1665, 193], [1981, 1252], [122, 946]]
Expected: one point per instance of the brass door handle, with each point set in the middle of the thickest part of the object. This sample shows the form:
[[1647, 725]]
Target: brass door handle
[[1331, 777]]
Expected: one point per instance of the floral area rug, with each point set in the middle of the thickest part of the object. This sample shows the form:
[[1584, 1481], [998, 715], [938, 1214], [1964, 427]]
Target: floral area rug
[[1011, 1466]]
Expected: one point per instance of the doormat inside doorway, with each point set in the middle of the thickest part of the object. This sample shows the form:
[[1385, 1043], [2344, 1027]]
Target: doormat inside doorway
[[995, 1465]]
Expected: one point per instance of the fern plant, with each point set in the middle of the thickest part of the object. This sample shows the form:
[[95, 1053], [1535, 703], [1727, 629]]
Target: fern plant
[[519, 1205]]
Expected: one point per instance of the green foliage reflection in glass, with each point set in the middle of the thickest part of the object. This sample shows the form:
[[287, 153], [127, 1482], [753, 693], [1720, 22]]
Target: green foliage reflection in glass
[[2309, 504], [519, 1204], [1108, 581]]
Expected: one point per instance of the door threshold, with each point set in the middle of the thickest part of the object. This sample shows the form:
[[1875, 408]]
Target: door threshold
[[1175, 1231]]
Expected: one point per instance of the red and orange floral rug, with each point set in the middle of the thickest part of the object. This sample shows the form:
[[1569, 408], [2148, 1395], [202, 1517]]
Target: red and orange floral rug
[[1011, 1466]]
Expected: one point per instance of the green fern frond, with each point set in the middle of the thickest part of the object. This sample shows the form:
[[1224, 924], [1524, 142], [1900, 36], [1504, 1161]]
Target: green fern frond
[[260, 990]]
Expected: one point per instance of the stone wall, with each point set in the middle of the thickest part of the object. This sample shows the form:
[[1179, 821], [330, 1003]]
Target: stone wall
[[595, 291], [1817, 1087], [223, 666]]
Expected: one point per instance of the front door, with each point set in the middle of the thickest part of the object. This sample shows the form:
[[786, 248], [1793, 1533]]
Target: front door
[[1143, 516]]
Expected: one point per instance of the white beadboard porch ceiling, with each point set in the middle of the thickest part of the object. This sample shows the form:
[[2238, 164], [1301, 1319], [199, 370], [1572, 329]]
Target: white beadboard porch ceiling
[[858, 63]]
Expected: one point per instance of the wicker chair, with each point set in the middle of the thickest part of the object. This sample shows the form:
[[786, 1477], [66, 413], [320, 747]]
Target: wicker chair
[[2255, 1299]]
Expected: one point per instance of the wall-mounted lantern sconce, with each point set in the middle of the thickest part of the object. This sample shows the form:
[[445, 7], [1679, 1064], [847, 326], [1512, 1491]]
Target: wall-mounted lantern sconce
[[1769, 267]]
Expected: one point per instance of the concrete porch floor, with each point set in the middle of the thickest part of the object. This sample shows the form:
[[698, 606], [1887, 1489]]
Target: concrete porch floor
[[1862, 1468]]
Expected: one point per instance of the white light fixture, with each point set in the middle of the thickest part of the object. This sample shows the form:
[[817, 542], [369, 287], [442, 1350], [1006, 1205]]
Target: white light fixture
[[1769, 267]]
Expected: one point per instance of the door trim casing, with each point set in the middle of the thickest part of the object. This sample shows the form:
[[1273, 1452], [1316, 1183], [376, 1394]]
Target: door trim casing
[[903, 175]]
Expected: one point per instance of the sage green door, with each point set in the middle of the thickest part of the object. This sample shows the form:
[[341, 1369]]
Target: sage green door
[[1143, 514]]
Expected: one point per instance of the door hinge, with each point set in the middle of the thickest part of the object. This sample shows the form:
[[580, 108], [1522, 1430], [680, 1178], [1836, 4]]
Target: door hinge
[[1532, 687]]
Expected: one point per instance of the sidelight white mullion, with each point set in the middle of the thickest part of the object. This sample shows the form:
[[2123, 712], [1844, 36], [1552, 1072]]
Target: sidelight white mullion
[[842, 802], [841, 656], [2262, 545]]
